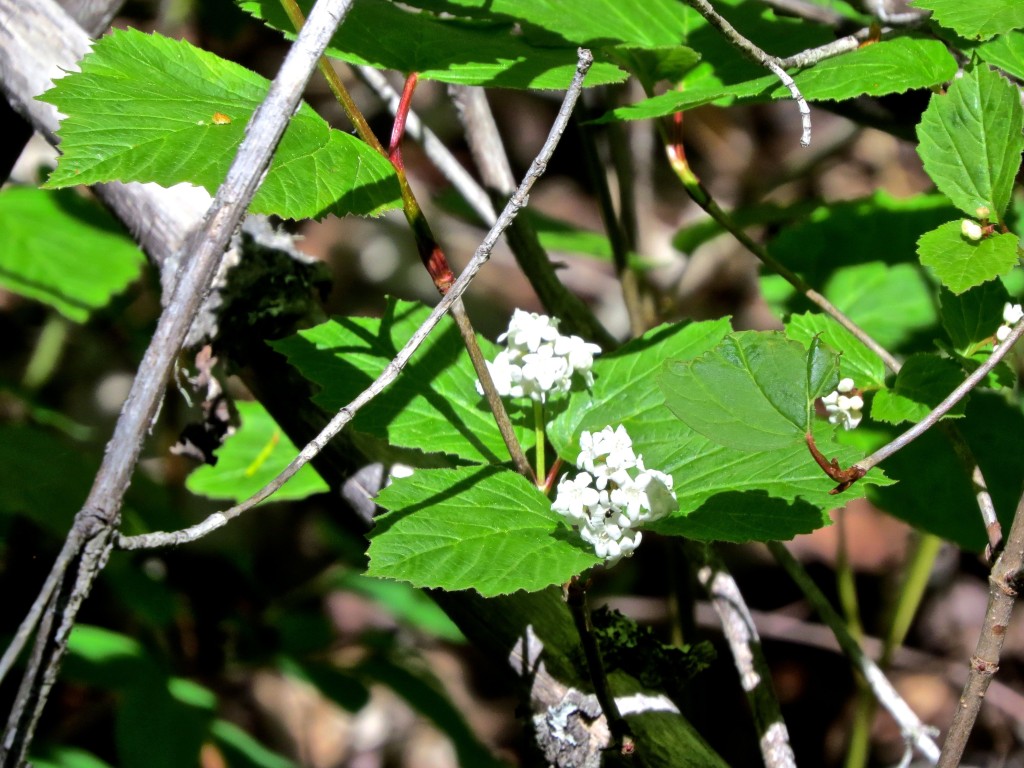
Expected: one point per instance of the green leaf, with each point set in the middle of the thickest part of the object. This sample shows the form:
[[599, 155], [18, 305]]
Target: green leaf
[[971, 141], [742, 516], [253, 456], [626, 392], [243, 751], [755, 391], [28, 484], [888, 303], [592, 23], [68, 757], [961, 264], [891, 66], [857, 361], [380, 34], [150, 109], [972, 318], [433, 406], [558, 235], [651, 65], [978, 18], [1005, 52], [473, 528], [63, 250], [922, 383], [626, 388]]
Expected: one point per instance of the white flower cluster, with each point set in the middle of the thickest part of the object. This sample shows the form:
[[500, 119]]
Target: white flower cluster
[[842, 407], [614, 495], [1012, 313], [538, 361]]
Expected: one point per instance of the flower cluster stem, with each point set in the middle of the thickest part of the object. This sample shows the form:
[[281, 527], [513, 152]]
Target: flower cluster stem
[[538, 429]]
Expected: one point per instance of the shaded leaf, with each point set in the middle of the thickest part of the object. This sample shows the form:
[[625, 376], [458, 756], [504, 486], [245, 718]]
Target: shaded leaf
[[972, 317], [144, 108], [922, 383], [934, 492], [64, 251], [243, 751]]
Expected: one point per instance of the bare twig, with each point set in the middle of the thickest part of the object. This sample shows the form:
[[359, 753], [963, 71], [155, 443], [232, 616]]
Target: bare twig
[[1003, 584], [757, 55], [827, 51], [914, 731], [700, 195], [492, 161], [88, 544], [747, 653], [345, 415]]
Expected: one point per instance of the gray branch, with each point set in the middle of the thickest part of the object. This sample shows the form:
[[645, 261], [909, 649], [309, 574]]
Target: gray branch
[[88, 545]]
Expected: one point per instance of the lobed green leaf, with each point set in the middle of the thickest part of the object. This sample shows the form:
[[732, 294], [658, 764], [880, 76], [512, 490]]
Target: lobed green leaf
[[753, 392], [150, 109], [978, 18], [970, 141], [891, 66], [380, 34], [473, 528], [961, 264]]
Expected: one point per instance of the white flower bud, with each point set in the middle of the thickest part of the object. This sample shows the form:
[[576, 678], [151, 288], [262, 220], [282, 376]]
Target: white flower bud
[[971, 230]]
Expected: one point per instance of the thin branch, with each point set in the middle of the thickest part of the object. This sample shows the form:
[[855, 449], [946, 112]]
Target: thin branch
[[946, 405], [914, 731], [88, 544], [345, 415], [433, 147], [491, 160], [700, 195], [1003, 583], [757, 55], [748, 655]]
